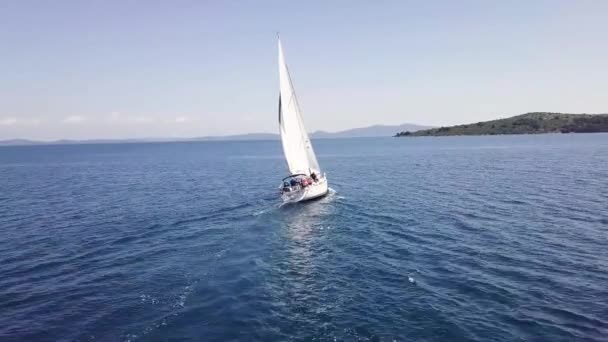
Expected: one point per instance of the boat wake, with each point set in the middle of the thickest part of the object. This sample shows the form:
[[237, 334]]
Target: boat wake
[[173, 305], [266, 210], [333, 193]]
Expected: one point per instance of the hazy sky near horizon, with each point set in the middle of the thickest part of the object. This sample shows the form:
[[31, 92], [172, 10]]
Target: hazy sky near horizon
[[126, 69]]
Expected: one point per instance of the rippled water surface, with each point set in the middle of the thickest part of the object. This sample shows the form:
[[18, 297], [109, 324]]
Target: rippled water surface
[[424, 239]]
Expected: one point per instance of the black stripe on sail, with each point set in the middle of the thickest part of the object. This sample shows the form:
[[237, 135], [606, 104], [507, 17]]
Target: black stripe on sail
[[279, 109]]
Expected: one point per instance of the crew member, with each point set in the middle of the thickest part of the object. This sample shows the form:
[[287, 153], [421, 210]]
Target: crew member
[[314, 176]]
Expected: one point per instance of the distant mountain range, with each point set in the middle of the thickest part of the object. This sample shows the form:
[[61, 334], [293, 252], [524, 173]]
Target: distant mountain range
[[529, 123], [371, 131]]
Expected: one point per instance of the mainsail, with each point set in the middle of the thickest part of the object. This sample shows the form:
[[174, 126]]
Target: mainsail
[[298, 150]]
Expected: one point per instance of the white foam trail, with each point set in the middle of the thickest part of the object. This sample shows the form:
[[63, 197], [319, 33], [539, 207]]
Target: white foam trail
[[261, 212], [183, 296], [266, 210]]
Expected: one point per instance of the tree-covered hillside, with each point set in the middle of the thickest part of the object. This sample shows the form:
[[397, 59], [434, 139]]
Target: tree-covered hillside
[[530, 123]]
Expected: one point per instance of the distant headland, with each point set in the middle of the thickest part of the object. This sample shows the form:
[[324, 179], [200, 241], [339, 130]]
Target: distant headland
[[529, 123]]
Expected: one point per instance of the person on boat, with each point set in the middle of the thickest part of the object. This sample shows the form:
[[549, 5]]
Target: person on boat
[[314, 177], [305, 182], [293, 182]]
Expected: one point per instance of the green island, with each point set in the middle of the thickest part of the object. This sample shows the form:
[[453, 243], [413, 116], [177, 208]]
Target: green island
[[529, 123]]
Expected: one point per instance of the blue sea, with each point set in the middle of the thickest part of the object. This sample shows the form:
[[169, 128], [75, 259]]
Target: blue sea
[[501, 238]]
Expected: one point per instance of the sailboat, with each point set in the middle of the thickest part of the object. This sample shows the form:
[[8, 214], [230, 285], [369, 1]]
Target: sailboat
[[306, 180]]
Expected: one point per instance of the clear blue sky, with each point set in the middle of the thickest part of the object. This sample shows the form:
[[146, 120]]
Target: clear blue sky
[[118, 69]]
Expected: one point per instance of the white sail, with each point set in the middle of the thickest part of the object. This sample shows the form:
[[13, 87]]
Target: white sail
[[298, 150]]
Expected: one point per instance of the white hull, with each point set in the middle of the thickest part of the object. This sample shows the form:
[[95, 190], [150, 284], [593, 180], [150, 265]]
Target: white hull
[[316, 190]]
